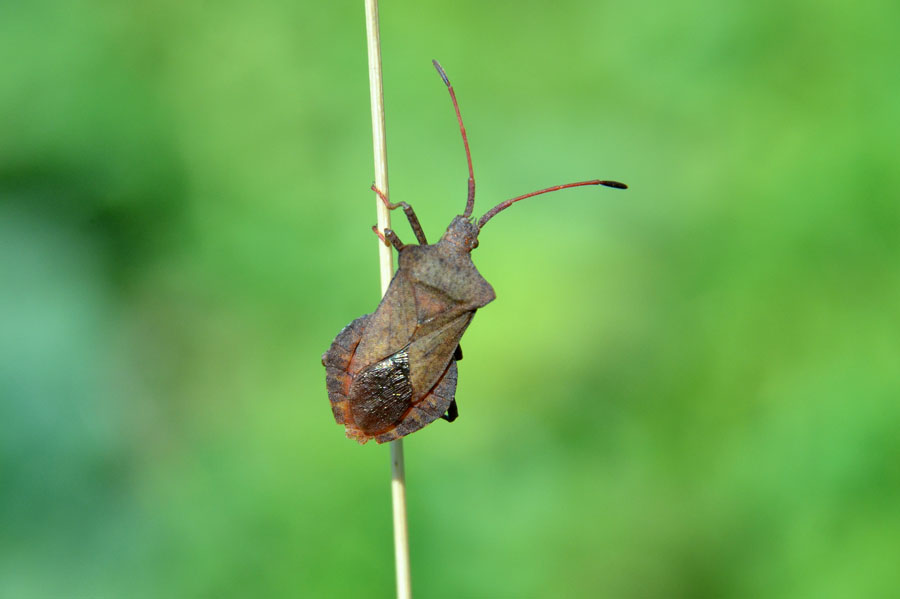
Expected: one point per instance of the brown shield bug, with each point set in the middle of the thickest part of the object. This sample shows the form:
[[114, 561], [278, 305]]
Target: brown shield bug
[[392, 372]]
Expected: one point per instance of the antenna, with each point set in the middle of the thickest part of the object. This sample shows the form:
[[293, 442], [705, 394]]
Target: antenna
[[470, 201], [506, 204]]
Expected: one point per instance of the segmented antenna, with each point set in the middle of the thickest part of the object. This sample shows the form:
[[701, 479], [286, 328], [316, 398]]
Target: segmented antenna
[[470, 201], [506, 204]]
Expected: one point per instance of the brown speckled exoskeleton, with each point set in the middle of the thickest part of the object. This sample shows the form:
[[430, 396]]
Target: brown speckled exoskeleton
[[392, 372]]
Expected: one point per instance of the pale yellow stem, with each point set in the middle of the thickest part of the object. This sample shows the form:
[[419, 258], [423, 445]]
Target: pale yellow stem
[[398, 477]]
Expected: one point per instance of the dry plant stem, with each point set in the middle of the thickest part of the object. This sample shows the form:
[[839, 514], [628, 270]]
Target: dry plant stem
[[398, 478]]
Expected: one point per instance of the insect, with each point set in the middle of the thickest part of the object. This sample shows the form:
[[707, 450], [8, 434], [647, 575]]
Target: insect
[[393, 372]]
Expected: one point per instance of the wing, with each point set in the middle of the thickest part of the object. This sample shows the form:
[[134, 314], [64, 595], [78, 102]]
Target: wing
[[381, 394], [391, 326], [379, 399], [431, 353], [429, 409]]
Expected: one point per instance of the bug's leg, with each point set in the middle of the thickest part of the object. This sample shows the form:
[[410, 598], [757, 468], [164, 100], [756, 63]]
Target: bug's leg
[[389, 237], [408, 211], [380, 234], [395, 241], [452, 412], [457, 355]]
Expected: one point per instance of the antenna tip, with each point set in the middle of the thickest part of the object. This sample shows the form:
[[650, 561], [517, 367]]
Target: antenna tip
[[614, 184], [441, 72]]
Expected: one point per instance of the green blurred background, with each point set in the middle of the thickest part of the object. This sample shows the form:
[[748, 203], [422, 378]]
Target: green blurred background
[[689, 389]]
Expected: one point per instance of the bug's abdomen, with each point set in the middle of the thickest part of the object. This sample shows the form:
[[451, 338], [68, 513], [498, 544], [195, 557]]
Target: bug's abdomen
[[369, 403], [382, 393]]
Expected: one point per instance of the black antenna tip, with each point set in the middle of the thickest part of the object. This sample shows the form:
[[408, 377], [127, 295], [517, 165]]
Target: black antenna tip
[[614, 184], [441, 72]]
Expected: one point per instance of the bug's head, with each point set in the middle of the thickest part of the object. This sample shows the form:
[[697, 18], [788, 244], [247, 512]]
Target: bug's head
[[462, 234]]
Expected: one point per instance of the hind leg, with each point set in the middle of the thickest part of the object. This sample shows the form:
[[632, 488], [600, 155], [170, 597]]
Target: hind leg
[[452, 412]]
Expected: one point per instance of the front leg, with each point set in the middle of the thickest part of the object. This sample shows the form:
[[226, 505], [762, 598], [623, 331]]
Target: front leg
[[410, 215], [389, 237]]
